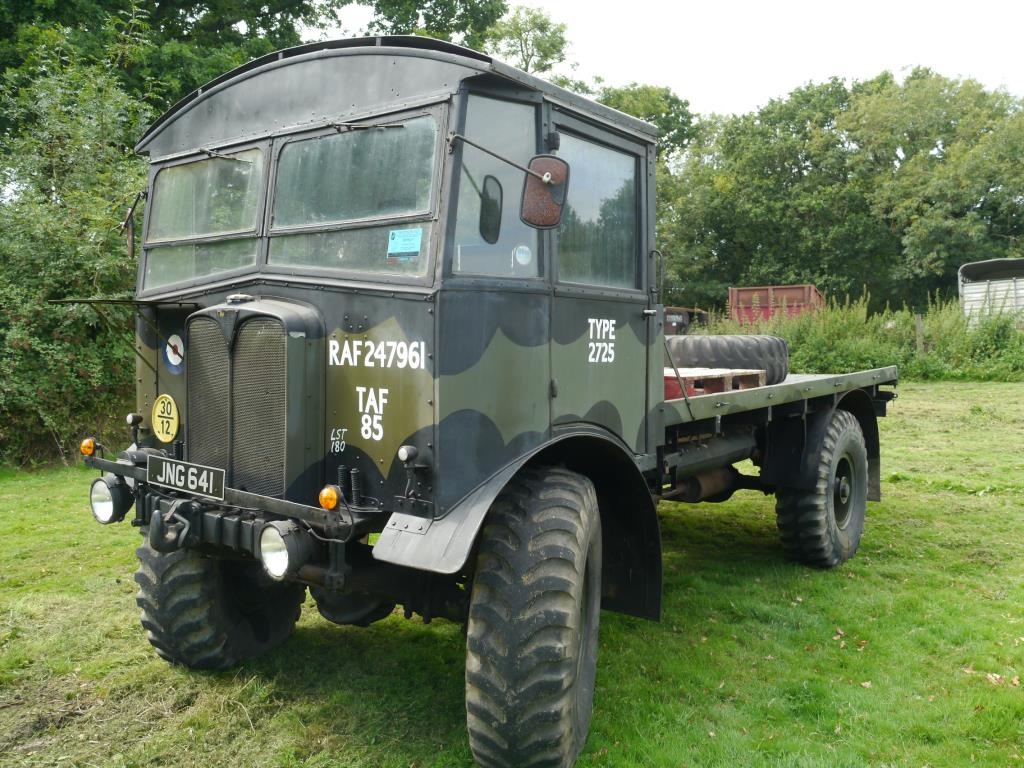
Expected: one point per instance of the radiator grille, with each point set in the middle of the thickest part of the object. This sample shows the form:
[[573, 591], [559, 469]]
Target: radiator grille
[[258, 400], [208, 408], [237, 402]]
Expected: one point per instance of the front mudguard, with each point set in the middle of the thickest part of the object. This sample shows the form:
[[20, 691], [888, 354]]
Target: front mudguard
[[632, 577]]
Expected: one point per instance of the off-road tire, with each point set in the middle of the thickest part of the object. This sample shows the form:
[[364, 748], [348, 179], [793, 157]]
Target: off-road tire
[[767, 353], [207, 613], [531, 647], [823, 527]]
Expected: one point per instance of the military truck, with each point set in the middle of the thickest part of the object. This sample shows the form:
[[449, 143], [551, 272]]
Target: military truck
[[400, 343]]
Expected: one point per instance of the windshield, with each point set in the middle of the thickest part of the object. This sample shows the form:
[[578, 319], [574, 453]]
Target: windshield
[[194, 202], [335, 188], [355, 199]]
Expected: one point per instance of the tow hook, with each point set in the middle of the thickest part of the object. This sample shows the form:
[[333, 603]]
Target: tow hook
[[168, 528]]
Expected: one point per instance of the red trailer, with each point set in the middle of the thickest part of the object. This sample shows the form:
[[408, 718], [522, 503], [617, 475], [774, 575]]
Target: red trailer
[[749, 305]]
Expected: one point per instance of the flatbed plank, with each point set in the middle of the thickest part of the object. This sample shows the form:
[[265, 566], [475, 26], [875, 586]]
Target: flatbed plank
[[796, 387], [708, 380]]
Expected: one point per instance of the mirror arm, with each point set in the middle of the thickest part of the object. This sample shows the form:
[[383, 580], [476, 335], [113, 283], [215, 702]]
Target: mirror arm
[[128, 225], [128, 219], [452, 137]]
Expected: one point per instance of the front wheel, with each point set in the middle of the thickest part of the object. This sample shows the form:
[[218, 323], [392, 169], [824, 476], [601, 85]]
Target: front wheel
[[208, 613], [822, 526], [531, 647]]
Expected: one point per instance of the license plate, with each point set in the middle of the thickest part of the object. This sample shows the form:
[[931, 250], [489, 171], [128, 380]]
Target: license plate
[[182, 476]]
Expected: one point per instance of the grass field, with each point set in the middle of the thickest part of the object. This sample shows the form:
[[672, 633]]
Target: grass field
[[909, 655]]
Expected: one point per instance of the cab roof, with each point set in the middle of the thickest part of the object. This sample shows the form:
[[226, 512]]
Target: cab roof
[[328, 80]]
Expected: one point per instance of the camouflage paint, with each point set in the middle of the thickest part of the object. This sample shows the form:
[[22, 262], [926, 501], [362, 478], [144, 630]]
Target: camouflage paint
[[493, 383], [599, 355], [379, 390]]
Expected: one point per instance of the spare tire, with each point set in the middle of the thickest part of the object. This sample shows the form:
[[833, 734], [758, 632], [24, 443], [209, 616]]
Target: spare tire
[[767, 353]]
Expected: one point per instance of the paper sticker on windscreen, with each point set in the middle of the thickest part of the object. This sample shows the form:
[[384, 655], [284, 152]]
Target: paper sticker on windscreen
[[404, 243]]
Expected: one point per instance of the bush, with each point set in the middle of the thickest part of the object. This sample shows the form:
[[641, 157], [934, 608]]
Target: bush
[[67, 175]]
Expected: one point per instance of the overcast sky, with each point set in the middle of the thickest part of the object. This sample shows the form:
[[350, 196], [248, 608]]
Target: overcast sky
[[733, 56]]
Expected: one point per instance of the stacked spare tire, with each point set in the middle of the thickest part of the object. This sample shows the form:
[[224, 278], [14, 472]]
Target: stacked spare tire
[[767, 353]]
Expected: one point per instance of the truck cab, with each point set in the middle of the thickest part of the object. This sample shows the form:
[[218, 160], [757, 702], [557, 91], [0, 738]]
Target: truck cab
[[330, 273]]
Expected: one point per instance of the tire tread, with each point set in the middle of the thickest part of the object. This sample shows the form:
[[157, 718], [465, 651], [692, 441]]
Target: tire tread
[[804, 518], [531, 564], [183, 601], [768, 353]]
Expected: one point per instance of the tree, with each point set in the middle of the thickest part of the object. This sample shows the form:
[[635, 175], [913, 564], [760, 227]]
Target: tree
[[698, 227], [527, 38], [187, 43], [66, 179], [939, 156], [768, 198], [658, 105], [465, 20], [880, 185]]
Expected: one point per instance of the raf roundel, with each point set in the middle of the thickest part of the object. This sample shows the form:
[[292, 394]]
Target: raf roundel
[[174, 353]]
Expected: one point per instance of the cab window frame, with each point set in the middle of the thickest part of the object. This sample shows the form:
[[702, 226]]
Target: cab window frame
[[603, 137], [254, 233], [511, 197], [439, 111]]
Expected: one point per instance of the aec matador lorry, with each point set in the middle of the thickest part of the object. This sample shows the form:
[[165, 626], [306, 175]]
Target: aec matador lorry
[[400, 342]]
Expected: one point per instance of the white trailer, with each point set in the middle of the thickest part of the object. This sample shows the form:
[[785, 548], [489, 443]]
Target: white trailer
[[992, 287]]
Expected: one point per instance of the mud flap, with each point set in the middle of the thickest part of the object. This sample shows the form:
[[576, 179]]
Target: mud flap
[[794, 445], [442, 545]]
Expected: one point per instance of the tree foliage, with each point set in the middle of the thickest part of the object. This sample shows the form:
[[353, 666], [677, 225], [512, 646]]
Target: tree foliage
[[881, 186], [186, 43], [66, 180], [929, 145], [464, 20], [179, 44], [658, 105], [527, 38]]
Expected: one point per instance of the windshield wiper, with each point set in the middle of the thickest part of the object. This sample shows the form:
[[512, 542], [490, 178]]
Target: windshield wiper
[[222, 156], [342, 126]]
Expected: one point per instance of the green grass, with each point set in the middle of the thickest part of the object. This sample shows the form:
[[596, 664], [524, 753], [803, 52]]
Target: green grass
[[909, 655]]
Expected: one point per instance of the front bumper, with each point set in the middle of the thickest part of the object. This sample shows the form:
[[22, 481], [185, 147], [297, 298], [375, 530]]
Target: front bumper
[[176, 519], [243, 500]]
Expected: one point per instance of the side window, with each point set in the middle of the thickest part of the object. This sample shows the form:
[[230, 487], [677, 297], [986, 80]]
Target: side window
[[597, 240], [489, 237]]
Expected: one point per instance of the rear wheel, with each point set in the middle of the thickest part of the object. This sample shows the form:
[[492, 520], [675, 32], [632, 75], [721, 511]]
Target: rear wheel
[[823, 526], [531, 648], [207, 613]]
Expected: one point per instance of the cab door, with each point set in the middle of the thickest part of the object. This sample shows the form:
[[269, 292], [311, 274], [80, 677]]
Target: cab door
[[600, 327], [493, 309]]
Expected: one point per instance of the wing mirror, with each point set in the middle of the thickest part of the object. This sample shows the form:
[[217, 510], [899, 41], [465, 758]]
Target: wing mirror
[[547, 180]]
